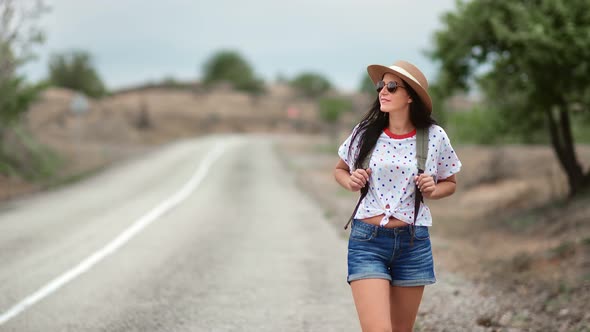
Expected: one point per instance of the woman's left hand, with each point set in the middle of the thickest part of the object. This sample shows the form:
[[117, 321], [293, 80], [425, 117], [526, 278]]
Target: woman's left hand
[[426, 185]]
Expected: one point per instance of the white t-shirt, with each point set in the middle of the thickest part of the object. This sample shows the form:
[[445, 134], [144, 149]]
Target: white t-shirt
[[394, 166]]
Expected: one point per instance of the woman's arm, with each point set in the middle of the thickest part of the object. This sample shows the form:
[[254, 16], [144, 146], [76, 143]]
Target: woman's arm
[[444, 188], [352, 182]]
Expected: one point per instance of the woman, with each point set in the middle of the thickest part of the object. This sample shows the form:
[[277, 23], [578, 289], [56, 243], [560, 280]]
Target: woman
[[389, 253]]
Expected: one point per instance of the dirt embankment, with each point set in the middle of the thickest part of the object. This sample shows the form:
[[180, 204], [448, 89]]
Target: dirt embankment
[[507, 229], [133, 121]]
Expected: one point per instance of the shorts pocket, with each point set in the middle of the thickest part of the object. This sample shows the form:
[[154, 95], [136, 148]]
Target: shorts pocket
[[422, 233], [361, 233]]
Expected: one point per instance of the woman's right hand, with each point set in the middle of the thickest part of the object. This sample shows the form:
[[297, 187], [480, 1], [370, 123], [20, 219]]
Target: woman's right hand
[[359, 178]]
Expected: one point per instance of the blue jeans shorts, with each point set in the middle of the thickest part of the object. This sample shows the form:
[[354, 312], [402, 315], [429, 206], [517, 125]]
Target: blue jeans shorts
[[376, 252]]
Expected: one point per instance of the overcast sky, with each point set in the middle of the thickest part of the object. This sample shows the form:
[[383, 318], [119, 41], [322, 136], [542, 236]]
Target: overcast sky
[[133, 41]]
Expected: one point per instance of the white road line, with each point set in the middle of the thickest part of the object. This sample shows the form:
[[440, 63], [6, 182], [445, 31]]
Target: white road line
[[120, 240]]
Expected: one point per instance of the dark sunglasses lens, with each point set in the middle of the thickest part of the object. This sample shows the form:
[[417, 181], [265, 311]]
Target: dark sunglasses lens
[[379, 86], [391, 87]]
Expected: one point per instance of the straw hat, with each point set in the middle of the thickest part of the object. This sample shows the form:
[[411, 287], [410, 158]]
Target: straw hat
[[409, 73]]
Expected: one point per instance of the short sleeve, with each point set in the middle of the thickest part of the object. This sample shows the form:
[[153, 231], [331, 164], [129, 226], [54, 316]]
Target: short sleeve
[[349, 155], [448, 162]]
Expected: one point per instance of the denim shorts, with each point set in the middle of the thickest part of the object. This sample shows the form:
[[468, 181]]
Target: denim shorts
[[376, 252]]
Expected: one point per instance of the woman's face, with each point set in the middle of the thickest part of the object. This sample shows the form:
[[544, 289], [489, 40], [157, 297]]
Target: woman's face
[[396, 101]]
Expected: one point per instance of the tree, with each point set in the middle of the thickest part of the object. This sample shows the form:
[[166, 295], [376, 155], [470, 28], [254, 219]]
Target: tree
[[18, 35], [230, 66], [312, 85], [75, 70], [535, 59]]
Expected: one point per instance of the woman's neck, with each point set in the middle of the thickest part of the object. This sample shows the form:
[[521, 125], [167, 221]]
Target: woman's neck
[[399, 123]]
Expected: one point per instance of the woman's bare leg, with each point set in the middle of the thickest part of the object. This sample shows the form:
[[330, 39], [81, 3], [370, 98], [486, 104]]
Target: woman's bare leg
[[404, 304], [371, 298]]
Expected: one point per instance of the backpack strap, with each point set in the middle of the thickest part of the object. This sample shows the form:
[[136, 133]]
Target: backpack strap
[[364, 190], [421, 155], [421, 147]]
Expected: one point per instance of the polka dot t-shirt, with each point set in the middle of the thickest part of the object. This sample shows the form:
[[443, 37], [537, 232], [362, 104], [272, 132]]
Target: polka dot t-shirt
[[394, 165]]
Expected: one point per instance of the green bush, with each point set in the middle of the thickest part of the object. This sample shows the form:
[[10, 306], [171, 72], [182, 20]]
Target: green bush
[[491, 126], [312, 85], [230, 66], [74, 70], [15, 98], [22, 155], [479, 126], [331, 108], [581, 127]]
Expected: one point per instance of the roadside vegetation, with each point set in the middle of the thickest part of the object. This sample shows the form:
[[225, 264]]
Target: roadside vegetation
[[530, 59]]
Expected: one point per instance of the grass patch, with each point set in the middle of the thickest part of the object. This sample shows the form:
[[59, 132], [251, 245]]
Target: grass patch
[[21, 155]]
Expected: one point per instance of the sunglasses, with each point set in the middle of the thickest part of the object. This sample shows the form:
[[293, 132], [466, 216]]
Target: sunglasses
[[391, 86]]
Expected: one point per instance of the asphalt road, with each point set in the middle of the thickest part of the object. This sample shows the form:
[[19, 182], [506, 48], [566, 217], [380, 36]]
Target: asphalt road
[[202, 235]]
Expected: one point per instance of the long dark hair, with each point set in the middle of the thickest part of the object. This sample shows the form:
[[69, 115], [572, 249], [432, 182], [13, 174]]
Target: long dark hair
[[375, 121]]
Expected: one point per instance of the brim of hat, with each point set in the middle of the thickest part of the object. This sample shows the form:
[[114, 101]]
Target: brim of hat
[[376, 73]]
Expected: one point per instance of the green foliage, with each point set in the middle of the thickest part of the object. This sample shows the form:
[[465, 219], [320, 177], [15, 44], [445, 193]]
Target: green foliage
[[536, 54], [230, 66], [439, 110], [581, 128], [478, 126], [312, 85], [490, 126], [15, 98], [531, 58], [367, 86], [18, 36], [22, 155], [75, 70], [331, 108]]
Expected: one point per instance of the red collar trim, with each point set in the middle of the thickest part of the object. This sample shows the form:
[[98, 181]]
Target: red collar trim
[[392, 135]]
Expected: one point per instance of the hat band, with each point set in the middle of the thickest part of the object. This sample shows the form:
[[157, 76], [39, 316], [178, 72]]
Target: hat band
[[406, 73]]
